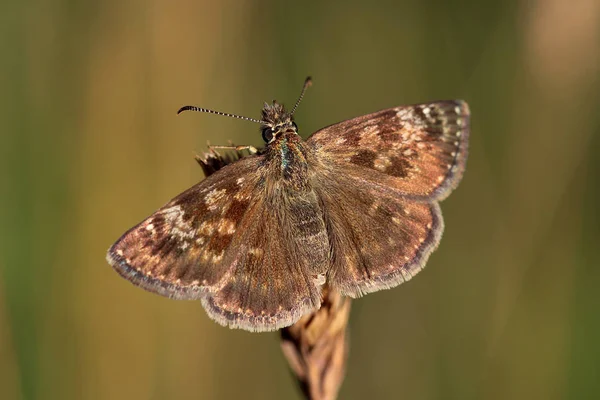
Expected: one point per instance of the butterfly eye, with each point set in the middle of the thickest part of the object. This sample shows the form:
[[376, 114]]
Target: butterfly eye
[[267, 134], [295, 126]]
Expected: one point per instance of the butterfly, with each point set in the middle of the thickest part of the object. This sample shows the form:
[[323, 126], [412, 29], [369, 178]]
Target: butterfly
[[354, 207]]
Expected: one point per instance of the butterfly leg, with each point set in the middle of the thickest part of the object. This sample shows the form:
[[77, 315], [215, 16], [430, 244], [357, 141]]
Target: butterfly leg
[[251, 149]]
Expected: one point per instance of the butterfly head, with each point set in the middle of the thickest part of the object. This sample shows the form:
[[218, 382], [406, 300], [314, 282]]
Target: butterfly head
[[276, 122]]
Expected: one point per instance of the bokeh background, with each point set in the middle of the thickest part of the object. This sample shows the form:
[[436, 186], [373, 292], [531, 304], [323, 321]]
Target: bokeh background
[[90, 144]]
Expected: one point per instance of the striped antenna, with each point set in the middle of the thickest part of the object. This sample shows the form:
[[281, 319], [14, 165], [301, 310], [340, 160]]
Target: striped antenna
[[307, 83], [206, 110]]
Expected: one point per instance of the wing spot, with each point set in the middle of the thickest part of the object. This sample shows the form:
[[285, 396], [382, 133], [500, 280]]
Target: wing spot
[[459, 121], [381, 163], [255, 251], [396, 220], [226, 227], [374, 207], [441, 178], [406, 211], [449, 166], [240, 180], [457, 110], [456, 144], [429, 225], [241, 195], [207, 228], [408, 152], [219, 257], [406, 258], [453, 154], [420, 145], [195, 282], [120, 252], [150, 227], [205, 255], [180, 228], [213, 197]]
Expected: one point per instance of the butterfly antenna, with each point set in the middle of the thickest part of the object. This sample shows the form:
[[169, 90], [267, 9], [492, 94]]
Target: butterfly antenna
[[206, 110], [307, 84]]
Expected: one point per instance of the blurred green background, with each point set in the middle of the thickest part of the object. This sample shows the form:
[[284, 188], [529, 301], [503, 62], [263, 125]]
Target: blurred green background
[[90, 144]]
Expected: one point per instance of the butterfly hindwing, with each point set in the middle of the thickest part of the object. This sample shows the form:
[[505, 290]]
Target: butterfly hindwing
[[419, 151], [277, 267], [377, 240]]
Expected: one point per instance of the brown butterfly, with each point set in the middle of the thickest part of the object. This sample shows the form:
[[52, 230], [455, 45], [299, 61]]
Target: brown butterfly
[[355, 207]]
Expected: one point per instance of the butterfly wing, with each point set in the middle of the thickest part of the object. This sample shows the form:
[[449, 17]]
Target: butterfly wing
[[419, 151], [377, 240], [277, 268], [178, 251], [228, 243]]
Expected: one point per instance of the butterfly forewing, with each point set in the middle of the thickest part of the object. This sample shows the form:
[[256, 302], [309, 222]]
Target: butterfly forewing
[[418, 151], [253, 252], [179, 251]]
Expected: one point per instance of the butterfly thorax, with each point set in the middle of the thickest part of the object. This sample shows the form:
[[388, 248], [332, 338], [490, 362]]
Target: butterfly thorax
[[285, 158]]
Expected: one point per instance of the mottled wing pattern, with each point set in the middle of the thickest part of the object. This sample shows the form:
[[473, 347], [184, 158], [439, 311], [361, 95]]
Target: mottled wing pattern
[[419, 151], [179, 250], [377, 240], [356, 208], [236, 246], [278, 266]]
